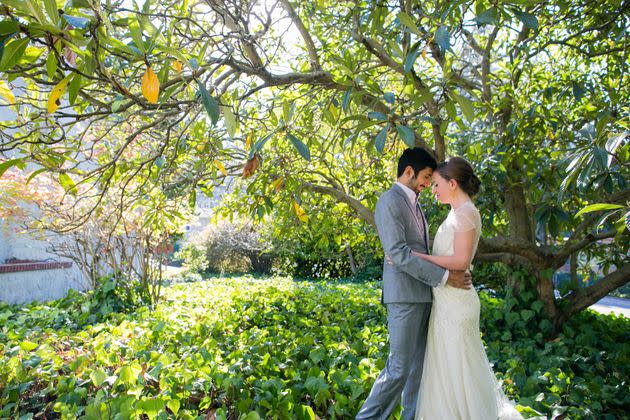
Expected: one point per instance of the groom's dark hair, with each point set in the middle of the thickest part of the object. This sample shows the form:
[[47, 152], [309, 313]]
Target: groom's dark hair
[[417, 158]]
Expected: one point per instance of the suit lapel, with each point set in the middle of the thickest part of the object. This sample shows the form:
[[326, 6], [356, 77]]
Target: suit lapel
[[426, 226], [414, 215]]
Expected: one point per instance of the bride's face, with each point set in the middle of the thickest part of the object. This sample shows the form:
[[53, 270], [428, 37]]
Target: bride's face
[[443, 189]]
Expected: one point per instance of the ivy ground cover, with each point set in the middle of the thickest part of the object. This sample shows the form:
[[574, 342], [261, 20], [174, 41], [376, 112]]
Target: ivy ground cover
[[275, 348]]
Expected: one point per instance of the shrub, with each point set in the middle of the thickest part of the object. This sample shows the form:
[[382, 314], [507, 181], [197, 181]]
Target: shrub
[[194, 256], [227, 247]]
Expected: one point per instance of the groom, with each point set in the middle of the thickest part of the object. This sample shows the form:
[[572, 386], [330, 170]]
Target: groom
[[407, 283]]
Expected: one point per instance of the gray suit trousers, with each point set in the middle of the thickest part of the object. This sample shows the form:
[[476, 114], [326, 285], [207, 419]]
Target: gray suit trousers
[[407, 324]]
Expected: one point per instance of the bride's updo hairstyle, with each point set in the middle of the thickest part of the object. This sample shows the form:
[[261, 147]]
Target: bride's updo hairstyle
[[461, 171]]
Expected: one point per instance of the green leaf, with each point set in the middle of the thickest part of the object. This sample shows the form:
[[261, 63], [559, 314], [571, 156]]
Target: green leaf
[[578, 91], [379, 141], [411, 59], [51, 65], [231, 124], [136, 34], [443, 38], [211, 104], [98, 376], [8, 27], [487, 17], [28, 345], [466, 106], [286, 111], [4, 166], [450, 109], [347, 97], [377, 116], [13, 52], [51, 9], [128, 375], [301, 147], [173, 405], [304, 412], [77, 21], [407, 22], [252, 415], [407, 135], [598, 207], [73, 88], [528, 19], [34, 174], [67, 183], [175, 53]]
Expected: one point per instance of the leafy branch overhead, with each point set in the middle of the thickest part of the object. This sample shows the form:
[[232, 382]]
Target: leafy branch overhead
[[170, 98]]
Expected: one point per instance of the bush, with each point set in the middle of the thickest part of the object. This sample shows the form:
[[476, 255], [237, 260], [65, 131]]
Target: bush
[[229, 248], [194, 256]]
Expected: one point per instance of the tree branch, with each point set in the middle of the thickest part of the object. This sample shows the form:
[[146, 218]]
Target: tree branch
[[363, 212], [584, 298]]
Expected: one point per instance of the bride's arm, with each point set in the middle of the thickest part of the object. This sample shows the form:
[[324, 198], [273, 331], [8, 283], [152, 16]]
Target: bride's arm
[[462, 255]]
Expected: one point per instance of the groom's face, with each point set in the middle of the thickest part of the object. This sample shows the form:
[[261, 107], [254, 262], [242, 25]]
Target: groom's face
[[422, 180]]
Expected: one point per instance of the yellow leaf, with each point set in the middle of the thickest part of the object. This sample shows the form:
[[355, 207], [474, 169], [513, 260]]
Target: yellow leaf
[[220, 167], [424, 52], [299, 212], [277, 184], [177, 66], [150, 86], [56, 93], [6, 93], [248, 142]]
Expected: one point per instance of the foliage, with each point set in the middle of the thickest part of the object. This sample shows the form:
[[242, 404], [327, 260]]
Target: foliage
[[231, 247], [231, 347], [194, 257], [534, 93]]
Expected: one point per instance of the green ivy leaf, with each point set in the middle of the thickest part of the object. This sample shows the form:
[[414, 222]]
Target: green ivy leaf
[[98, 376], [28, 345]]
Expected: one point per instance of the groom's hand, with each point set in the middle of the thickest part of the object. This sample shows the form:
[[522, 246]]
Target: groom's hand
[[459, 279]]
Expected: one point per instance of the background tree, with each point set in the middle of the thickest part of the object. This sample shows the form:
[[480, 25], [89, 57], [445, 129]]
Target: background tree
[[534, 93]]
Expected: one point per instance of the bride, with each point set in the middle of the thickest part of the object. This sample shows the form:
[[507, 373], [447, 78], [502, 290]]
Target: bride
[[458, 382]]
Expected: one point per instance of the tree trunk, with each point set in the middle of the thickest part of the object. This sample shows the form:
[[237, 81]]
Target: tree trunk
[[353, 264], [545, 290]]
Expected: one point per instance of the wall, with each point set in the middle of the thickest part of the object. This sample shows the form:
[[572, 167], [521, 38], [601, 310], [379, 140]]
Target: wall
[[39, 285]]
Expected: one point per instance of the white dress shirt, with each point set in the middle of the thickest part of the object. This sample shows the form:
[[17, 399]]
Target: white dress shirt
[[411, 194]]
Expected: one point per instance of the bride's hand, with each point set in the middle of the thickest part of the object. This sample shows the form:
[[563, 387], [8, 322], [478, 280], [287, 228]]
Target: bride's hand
[[418, 254]]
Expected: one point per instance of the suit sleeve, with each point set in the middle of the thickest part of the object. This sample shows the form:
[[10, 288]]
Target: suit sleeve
[[391, 231]]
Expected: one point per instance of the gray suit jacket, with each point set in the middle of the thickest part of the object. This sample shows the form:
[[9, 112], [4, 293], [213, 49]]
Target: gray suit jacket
[[409, 279]]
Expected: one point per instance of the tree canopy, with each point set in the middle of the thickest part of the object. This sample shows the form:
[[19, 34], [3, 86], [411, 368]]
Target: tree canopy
[[316, 99]]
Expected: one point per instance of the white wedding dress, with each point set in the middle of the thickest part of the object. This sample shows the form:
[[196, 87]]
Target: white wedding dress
[[458, 382]]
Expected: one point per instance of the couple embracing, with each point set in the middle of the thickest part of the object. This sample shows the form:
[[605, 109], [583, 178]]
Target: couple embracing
[[436, 360]]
